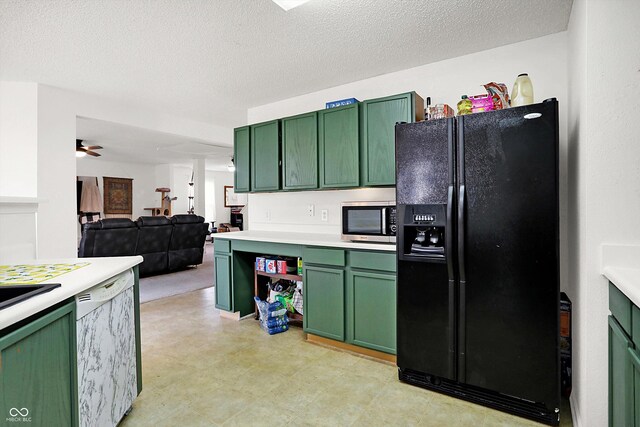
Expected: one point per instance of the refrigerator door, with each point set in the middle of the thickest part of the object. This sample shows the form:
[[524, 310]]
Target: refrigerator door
[[426, 286], [508, 252]]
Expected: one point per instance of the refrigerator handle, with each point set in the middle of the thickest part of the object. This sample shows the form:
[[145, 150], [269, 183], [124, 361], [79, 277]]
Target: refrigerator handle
[[449, 234], [461, 232]]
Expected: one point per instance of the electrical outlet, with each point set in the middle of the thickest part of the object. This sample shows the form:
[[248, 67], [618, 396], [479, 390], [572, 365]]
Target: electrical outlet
[[311, 210], [324, 215]]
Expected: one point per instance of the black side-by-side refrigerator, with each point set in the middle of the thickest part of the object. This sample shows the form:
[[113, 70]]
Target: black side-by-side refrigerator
[[478, 258]]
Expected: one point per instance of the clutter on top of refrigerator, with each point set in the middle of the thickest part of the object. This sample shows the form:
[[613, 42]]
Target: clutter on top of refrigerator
[[522, 91], [480, 103], [499, 93], [464, 106], [440, 111]]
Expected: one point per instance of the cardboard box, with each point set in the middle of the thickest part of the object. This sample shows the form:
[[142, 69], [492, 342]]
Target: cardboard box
[[341, 102], [260, 263], [282, 266], [270, 266]]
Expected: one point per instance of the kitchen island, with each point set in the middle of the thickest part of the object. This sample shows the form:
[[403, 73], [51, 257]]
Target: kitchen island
[[71, 356], [349, 289]]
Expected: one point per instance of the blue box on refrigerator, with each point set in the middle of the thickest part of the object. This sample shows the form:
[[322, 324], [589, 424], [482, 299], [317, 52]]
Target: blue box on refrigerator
[[341, 102]]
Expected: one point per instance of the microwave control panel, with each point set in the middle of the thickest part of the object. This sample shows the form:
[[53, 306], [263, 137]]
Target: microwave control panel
[[393, 221]]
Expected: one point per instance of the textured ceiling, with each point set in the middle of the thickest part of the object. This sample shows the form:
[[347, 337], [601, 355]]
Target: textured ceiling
[[130, 144], [210, 60]]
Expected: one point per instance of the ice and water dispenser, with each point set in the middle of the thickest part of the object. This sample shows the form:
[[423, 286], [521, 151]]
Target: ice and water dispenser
[[424, 232]]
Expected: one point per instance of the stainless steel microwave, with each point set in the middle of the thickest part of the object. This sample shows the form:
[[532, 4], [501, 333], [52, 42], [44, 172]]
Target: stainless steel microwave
[[369, 221]]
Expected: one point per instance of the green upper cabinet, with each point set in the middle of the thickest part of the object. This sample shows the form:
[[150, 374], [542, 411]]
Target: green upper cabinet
[[339, 139], [300, 152], [241, 158], [265, 156], [379, 117]]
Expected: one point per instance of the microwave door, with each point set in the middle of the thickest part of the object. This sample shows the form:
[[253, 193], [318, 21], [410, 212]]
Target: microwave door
[[362, 223]]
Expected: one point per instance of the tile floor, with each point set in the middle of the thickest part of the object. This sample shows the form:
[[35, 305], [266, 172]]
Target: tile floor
[[202, 370]]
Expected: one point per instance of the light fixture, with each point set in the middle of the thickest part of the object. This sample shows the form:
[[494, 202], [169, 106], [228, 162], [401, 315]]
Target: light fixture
[[80, 154], [289, 4], [232, 166]]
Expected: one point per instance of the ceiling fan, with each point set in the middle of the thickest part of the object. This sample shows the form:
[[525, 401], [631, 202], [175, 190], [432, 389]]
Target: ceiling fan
[[82, 151]]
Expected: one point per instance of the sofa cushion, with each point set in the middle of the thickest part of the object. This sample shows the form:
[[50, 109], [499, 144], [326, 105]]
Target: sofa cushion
[[147, 221], [109, 223], [186, 219]]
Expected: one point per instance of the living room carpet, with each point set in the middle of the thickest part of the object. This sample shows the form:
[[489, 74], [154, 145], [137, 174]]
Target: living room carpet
[[180, 282]]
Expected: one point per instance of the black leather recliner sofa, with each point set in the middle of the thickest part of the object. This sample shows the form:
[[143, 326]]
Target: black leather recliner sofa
[[166, 244]]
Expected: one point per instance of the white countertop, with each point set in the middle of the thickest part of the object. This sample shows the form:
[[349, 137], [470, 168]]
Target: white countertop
[[621, 265], [306, 239], [73, 283]]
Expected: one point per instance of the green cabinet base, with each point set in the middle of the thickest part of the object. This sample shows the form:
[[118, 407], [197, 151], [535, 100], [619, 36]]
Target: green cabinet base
[[38, 371]]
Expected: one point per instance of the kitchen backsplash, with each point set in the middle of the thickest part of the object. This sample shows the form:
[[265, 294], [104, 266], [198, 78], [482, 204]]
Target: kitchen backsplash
[[290, 211]]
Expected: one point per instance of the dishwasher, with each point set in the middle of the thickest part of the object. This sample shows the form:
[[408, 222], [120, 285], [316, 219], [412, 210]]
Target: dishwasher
[[107, 382]]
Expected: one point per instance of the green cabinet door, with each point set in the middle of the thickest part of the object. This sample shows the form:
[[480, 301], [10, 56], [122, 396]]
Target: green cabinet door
[[620, 377], [635, 364], [38, 371], [241, 158], [300, 152], [222, 268], [379, 117], [265, 156], [339, 146], [371, 310], [324, 302]]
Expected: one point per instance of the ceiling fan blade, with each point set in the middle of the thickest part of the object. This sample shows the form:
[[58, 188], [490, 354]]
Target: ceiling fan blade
[[94, 147], [91, 153]]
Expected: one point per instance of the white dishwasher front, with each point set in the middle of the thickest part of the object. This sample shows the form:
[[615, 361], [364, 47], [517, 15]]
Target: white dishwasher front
[[107, 383]]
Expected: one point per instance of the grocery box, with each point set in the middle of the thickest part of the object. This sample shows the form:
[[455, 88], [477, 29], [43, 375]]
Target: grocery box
[[282, 266], [341, 102], [270, 266], [260, 263]]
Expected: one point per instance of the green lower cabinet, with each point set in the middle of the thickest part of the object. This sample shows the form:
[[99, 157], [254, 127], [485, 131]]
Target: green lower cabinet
[[621, 393], [223, 282], [634, 355], [371, 310], [38, 372], [324, 302]]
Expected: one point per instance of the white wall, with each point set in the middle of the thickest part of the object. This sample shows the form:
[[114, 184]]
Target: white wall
[[56, 220], [216, 180], [180, 177], [445, 81], [604, 176], [143, 175], [18, 139]]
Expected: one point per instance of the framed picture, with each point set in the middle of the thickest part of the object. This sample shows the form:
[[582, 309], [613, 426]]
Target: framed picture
[[117, 195], [232, 199]]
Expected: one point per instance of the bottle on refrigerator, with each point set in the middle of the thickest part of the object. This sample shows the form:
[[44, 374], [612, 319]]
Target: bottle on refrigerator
[[522, 93], [464, 106]]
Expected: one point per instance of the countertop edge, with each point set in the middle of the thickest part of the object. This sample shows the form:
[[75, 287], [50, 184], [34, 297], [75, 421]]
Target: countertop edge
[[103, 269], [625, 279]]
